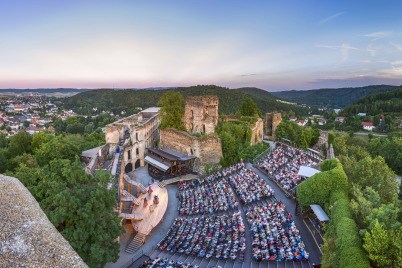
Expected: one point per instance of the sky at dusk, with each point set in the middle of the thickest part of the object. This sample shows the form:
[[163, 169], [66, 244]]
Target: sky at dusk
[[273, 45]]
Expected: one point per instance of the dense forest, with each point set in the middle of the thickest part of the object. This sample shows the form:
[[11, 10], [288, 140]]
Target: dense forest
[[331, 97], [376, 104], [127, 100]]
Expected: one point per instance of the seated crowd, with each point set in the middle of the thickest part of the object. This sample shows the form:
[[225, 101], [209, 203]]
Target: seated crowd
[[222, 237], [283, 164], [249, 186], [209, 194], [166, 263], [208, 198], [274, 234]]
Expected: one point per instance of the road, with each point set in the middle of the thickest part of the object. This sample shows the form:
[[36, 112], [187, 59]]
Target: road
[[359, 133]]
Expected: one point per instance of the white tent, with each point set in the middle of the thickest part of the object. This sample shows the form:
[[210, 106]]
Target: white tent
[[319, 212], [307, 171]]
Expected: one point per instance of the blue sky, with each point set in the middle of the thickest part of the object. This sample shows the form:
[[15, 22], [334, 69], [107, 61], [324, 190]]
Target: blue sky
[[274, 45]]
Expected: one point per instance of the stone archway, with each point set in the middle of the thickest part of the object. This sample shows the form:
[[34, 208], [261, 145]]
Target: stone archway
[[128, 168], [137, 164]]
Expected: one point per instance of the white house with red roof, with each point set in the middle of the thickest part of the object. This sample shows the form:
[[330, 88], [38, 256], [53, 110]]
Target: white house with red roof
[[293, 118], [367, 126], [301, 122]]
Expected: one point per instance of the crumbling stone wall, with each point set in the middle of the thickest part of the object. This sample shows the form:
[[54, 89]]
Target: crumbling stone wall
[[114, 132], [323, 139], [201, 114], [272, 120], [208, 150], [258, 132]]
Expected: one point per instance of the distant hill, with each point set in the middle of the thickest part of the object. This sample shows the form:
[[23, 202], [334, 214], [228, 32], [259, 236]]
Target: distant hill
[[375, 104], [257, 92], [229, 99], [331, 97], [60, 91]]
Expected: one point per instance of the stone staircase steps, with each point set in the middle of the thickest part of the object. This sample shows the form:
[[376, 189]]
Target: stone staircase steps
[[136, 243]]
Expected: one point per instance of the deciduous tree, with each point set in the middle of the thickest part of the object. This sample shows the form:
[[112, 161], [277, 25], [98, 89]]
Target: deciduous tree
[[171, 111]]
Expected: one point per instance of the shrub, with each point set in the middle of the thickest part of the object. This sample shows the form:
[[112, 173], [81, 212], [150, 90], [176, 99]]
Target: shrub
[[347, 233], [353, 257], [340, 209], [329, 164], [318, 188]]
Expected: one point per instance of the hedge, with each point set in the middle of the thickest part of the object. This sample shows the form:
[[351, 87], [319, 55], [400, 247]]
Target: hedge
[[318, 188], [353, 257], [329, 189], [340, 209], [329, 164], [347, 233]]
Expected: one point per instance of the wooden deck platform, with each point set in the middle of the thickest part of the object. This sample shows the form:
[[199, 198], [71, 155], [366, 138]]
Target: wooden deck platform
[[150, 219]]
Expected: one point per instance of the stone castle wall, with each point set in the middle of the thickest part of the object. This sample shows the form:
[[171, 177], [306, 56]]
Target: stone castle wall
[[201, 114], [272, 120], [208, 150], [323, 139], [258, 132]]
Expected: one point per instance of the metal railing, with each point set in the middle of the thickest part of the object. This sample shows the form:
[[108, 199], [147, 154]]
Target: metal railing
[[255, 160]]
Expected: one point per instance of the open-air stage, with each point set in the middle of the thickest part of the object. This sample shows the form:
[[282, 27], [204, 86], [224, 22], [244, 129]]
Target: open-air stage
[[150, 219]]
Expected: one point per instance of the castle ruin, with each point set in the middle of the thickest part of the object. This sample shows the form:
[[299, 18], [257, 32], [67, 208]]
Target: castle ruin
[[201, 114], [272, 120]]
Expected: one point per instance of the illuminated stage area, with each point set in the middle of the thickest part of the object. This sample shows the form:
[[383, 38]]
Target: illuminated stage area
[[151, 217]]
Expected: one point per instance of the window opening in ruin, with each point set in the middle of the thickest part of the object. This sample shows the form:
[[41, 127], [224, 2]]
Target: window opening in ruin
[[203, 128], [136, 136], [129, 154], [137, 151], [191, 150], [192, 114], [191, 126]]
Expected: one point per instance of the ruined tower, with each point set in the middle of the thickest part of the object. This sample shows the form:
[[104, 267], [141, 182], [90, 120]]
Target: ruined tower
[[272, 120], [201, 114]]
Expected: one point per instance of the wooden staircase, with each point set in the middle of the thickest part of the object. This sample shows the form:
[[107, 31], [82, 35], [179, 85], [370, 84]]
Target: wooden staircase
[[131, 197], [136, 243], [132, 181]]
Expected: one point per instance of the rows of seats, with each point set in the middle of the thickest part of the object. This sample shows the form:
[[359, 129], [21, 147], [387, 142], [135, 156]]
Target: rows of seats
[[221, 237], [283, 164], [210, 194], [166, 263], [249, 186], [274, 234], [208, 198], [183, 185]]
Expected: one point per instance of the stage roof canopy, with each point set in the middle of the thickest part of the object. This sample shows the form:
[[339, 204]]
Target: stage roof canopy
[[170, 154], [307, 171], [156, 163], [319, 212], [182, 157]]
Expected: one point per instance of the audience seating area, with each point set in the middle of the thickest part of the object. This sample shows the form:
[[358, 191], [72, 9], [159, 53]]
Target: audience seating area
[[283, 164], [274, 234], [207, 230], [221, 237], [166, 263], [249, 186], [209, 198]]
